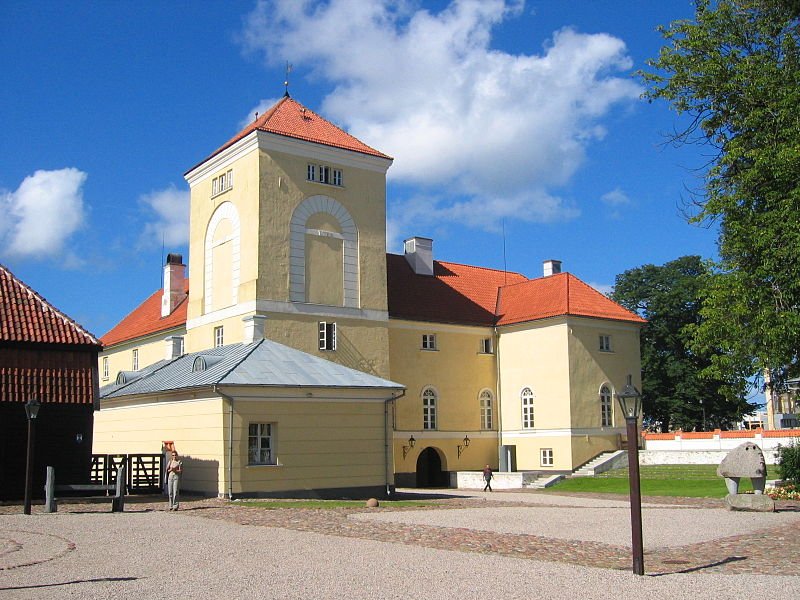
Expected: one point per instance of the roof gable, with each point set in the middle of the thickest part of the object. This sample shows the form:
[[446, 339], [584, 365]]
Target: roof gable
[[556, 295], [291, 119], [25, 316]]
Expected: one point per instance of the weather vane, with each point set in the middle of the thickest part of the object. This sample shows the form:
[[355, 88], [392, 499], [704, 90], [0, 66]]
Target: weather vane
[[286, 81]]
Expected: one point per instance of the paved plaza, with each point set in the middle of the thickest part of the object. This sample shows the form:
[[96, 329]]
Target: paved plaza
[[464, 545]]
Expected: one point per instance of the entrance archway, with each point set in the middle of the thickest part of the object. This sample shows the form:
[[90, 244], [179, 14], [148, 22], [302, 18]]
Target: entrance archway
[[429, 470]]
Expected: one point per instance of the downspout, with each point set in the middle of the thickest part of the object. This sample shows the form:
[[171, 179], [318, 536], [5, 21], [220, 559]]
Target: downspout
[[386, 437], [499, 395], [230, 439]]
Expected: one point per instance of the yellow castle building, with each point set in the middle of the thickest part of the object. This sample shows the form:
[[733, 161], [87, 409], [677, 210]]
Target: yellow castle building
[[303, 359]]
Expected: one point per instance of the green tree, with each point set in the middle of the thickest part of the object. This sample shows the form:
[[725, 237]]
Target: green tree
[[674, 393], [735, 72]]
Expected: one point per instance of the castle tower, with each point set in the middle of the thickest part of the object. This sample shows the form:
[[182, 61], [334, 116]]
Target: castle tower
[[288, 224]]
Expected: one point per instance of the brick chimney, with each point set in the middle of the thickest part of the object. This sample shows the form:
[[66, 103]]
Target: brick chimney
[[174, 276], [419, 254]]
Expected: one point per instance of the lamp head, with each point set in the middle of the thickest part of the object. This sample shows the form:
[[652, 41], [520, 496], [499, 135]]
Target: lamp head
[[32, 408], [630, 401], [411, 441]]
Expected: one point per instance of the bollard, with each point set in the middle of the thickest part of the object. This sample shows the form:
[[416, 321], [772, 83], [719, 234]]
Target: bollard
[[118, 501], [50, 504]]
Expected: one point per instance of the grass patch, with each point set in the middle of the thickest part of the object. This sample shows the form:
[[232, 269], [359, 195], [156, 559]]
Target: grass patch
[[693, 481], [328, 504]]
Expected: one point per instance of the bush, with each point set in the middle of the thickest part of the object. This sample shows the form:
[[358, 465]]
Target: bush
[[789, 463]]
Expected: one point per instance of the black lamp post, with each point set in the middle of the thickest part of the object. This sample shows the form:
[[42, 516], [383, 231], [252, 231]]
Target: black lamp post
[[630, 401], [31, 410]]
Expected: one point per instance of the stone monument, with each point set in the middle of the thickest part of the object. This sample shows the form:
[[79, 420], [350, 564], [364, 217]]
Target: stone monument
[[746, 460]]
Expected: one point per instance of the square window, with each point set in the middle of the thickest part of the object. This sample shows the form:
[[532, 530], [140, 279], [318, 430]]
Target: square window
[[260, 444], [429, 341], [605, 343], [327, 336], [546, 457]]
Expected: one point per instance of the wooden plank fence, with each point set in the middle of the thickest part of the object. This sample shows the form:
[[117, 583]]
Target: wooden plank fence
[[144, 472]]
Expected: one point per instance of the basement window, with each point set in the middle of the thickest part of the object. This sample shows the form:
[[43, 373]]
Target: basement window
[[546, 457]]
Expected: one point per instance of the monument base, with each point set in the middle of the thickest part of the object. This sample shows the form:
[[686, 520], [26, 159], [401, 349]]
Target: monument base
[[750, 502]]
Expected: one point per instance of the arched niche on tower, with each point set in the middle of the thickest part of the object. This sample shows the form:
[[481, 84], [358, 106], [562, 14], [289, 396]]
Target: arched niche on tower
[[222, 258], [324, 254]]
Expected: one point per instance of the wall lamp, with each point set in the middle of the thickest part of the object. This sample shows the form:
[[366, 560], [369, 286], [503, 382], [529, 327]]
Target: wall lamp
[[411, 442], [463, 445]]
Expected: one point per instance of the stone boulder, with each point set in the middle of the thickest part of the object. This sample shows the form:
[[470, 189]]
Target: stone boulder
[[746, 460]]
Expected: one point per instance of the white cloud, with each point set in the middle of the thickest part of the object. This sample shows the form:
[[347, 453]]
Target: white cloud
[[615, 198], [604, 288], [169, 217], [258, 109], [42, 214], [493, 134]]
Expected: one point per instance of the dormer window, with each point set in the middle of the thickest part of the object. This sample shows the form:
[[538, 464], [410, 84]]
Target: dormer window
[[324, 174], [222, 183]]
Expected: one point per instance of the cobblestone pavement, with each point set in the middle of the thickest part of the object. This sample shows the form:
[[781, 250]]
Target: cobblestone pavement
[[771, 551]]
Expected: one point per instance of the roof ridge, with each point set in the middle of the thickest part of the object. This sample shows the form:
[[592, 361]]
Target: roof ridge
[[47, 306], [244, 358]]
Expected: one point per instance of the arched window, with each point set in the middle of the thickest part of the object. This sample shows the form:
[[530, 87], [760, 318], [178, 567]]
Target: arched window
[[606, 413], [323, 255], [429, 408], [527, 408], [222, 258], [486, 401]]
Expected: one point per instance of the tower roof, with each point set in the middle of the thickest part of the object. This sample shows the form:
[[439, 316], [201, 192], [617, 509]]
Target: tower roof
[[289, 118]]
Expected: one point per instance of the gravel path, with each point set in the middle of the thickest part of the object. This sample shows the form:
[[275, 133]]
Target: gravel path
[[215, 549]]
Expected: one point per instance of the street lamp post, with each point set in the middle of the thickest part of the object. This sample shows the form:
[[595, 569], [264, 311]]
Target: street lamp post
[[31, 410], [630, 401]]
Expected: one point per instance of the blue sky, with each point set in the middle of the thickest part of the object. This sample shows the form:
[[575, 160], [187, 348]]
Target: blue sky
[[501, 116]]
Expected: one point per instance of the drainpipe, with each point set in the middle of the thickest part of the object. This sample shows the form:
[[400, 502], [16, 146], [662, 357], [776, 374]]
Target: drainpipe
[[230, 439], [499, 394], [386, 437]]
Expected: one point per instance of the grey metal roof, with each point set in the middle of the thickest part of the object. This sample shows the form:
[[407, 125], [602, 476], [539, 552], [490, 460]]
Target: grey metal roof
[[261, 363]]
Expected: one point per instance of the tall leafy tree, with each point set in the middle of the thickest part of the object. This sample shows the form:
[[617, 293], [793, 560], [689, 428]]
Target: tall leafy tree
[[735, 71], [674, 393]]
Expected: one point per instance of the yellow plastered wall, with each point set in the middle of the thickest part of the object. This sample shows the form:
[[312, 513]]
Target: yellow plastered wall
[[318, 445], [195, 425], [458, 371], [120, 356]]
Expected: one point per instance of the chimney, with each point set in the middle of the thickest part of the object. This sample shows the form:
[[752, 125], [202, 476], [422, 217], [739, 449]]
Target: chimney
[[174, 346], [552, 267], [419, 254], [174, 275], [254, 328]]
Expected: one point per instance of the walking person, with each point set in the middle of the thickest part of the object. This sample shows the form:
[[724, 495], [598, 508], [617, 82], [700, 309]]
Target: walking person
[[487, 477], [174, 470]]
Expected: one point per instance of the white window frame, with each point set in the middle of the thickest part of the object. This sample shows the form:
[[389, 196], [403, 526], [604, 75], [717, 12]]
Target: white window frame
[[546, 457], [311, 172], [526, 397], [486, 402], [219, 336], [429, 341], [429, 401], [336, 177], [222, 183], [606, 406], [261, 440], [487, 346], [135, 359], [605, 343], [105, 367], [327, 336]]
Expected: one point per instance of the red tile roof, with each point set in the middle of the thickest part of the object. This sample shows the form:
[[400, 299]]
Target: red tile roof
[[146, 319], [456, 293], [556, 295], [291, 119], [25, 316]]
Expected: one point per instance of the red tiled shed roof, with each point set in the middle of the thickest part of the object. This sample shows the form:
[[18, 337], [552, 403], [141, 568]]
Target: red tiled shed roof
[[146, 319], [560, 294], [25, 316], [289, 118], [454, 294]]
